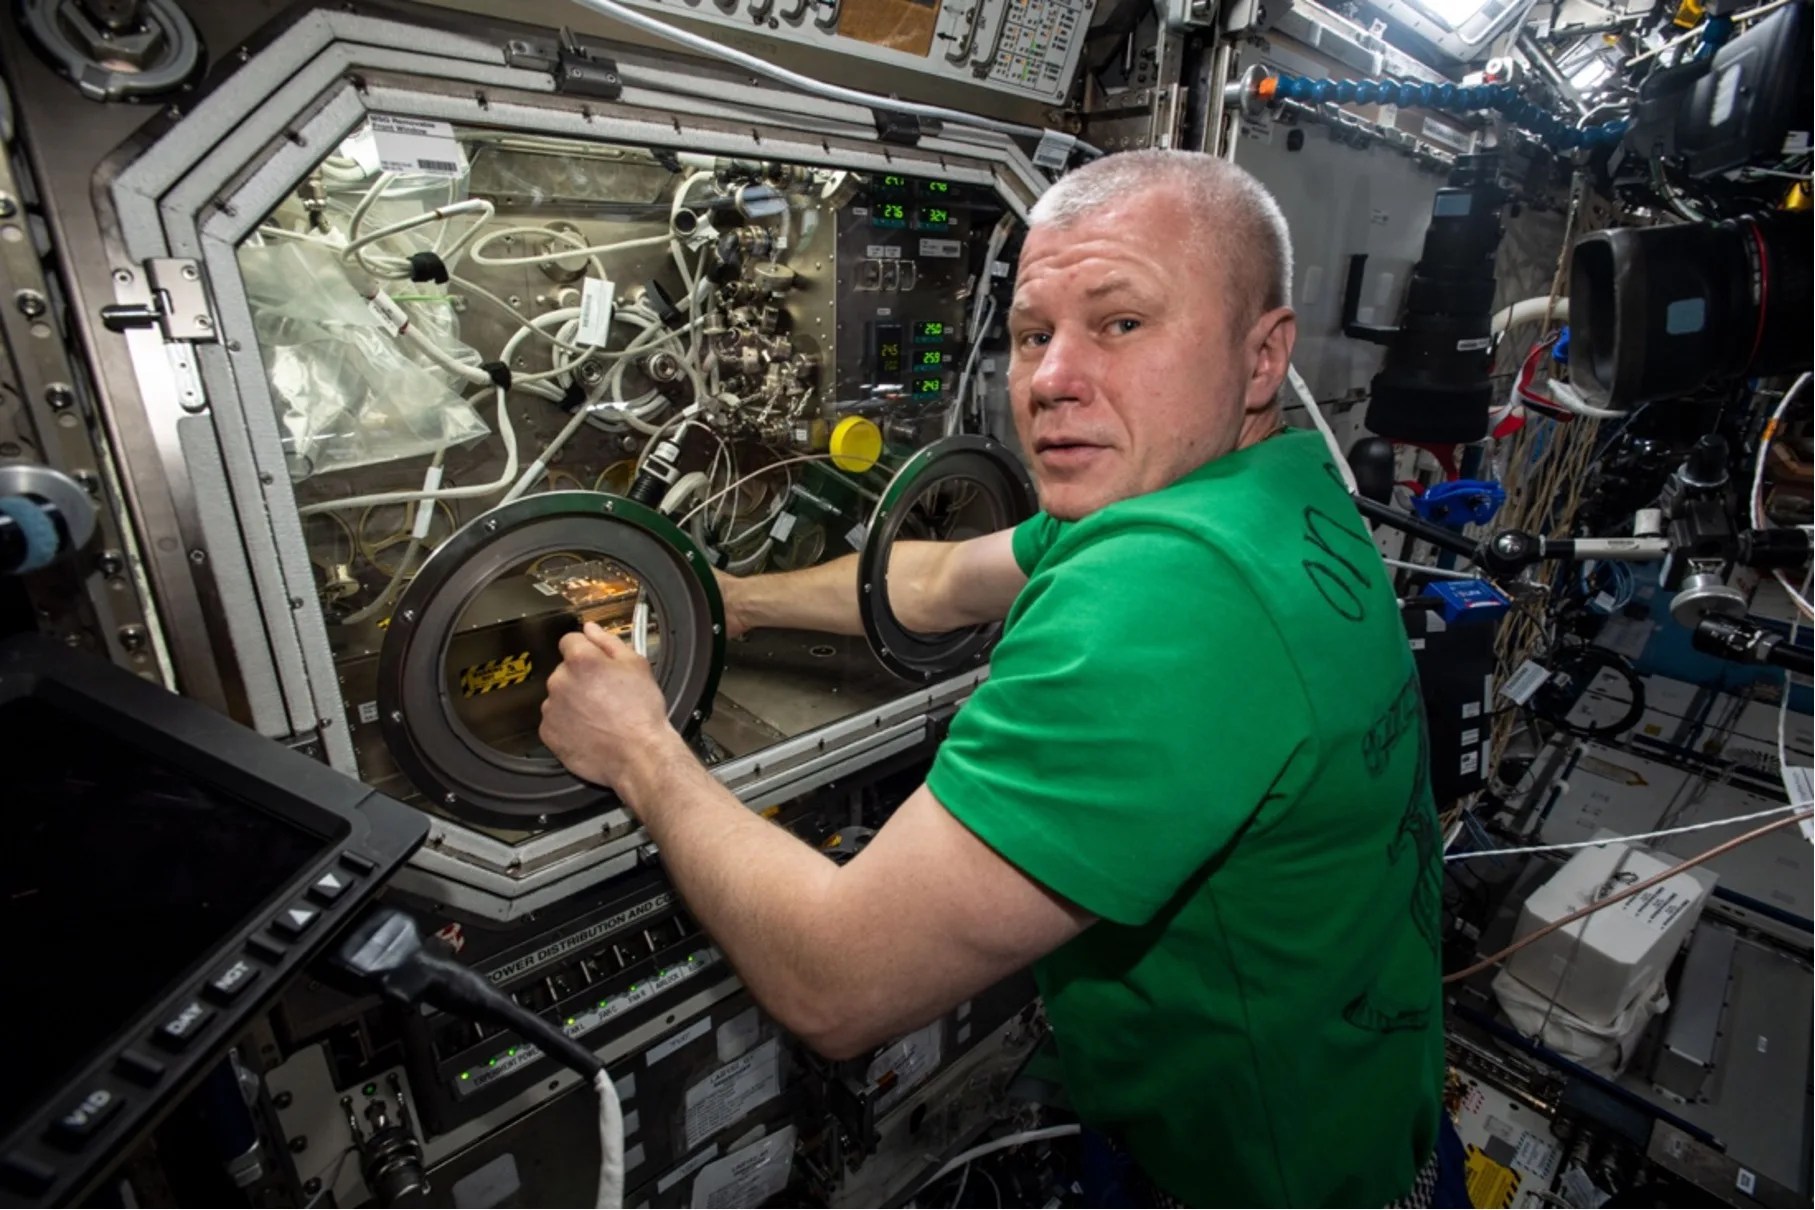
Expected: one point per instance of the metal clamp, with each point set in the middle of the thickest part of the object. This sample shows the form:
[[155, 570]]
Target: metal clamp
[[178, 307]]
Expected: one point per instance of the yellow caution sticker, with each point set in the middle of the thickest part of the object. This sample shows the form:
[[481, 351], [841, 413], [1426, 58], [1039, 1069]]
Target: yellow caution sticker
[[1490, 1183], [1688, 14], [500, 673]]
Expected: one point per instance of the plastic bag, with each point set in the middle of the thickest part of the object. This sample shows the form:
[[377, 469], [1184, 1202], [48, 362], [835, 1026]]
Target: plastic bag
[[349, 393]]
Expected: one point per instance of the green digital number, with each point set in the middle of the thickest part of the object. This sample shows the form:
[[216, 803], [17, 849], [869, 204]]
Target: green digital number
[[894, 182], [934, 328], [938, 187], [932, 357], [893, 210]]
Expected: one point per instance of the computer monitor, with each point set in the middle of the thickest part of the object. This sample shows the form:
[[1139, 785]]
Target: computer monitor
[[164, 873]]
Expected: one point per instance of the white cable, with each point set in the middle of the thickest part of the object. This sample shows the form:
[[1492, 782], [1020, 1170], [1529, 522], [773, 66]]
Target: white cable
[[611, 1143], [501, 483], [1783, 718], [752, 475], [995, 1145], [1570, 399], [1526, 310], [1323, 426], [1427, 569], [479, 206], [970, 365], [1595, 844], [578, 246], [685, 486], [831, 92]]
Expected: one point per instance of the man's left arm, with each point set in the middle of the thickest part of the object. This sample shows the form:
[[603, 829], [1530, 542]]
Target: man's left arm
[[845, 956]]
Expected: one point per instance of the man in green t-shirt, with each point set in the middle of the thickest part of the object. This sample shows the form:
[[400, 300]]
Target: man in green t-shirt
[[1193, 792]]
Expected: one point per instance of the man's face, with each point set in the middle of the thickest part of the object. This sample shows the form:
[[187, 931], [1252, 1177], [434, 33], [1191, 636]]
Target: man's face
[[1125, 371]]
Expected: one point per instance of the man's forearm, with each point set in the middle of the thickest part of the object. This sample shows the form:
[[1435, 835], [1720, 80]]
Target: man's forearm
[[760, 892], [824, 597]]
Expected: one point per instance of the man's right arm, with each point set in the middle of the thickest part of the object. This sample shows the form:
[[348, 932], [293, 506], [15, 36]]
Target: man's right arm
[[933, 587]]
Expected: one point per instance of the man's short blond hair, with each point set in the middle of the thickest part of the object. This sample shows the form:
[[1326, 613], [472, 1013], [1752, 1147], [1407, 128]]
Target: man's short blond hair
[[1236, 223]]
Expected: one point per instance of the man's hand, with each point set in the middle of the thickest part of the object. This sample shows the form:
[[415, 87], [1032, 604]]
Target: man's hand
[[603, 708], [731, 591]]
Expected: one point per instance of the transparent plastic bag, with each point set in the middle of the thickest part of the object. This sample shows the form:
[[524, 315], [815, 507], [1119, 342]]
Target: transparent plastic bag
[[349, 393]]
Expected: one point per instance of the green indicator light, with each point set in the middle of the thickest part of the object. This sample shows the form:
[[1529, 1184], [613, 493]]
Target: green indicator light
[[491, 1062], [510, 1052], [633, 986], [466, 1075], [371, 1090], [601, 1004], [570, 1020]]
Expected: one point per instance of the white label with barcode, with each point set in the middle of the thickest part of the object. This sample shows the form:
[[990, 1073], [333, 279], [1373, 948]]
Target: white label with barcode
[[595, 311], [941, 249], [1520, 686], [882, 252], [416, 145], [1054, 149]]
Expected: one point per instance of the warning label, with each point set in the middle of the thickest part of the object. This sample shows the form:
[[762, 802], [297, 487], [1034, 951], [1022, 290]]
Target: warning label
[[733, 1091]]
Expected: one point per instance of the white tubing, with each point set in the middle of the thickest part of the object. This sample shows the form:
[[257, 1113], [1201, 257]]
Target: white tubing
[[1323, 426], [1528, 311], [611, 1143]]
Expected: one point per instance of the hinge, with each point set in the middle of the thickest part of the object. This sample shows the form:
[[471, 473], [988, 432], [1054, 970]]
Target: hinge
[[178, 307]]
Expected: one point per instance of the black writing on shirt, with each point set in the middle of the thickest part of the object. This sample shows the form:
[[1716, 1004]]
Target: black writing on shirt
[[1415, 840], [1336, 576], [1384, 734]]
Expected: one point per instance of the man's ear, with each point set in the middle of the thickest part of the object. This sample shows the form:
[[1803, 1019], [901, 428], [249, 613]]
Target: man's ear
[[1270, 343]]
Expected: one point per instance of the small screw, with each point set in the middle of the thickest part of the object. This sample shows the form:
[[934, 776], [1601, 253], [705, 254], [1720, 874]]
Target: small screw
[[123, 276], [59, 397], [189, 273], [396, 716], [296, 602], [283, 1100], [89, 482], [110, 563], [203, 322], [491, 526], [698, 715], [8, 207], [132, 638], [450, 798], [198, 556], [312, 1186], [299, 1144], [409, 615], [30, 303], [717, 629]]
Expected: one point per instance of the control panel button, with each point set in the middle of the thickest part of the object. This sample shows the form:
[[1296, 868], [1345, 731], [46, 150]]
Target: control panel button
[[177, 1033], [330, 887], [140, 1068], [264, 947], [294, 921], [227, 984], [25, 1175], [359, 863], [83, 1120]]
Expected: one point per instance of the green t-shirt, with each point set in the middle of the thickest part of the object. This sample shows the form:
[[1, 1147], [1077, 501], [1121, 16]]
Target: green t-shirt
[[1203, 726]]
